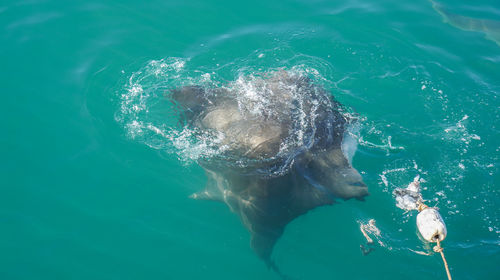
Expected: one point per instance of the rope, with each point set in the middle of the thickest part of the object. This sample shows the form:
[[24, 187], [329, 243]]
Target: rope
[[439, 249], [421, 206]]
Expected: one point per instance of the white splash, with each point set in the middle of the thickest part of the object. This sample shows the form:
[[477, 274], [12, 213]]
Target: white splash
[[409, 197], [147, 115]]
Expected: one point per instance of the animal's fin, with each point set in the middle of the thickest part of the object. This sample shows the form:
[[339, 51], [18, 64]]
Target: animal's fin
[[311, 195], [189, 97], [331, 172], [211, 191], [204, 195]]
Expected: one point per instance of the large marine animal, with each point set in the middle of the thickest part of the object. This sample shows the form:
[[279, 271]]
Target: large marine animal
[[490, 27], [282, 135]]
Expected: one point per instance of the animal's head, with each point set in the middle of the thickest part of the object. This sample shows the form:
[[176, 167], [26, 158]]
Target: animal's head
[[331, 171]]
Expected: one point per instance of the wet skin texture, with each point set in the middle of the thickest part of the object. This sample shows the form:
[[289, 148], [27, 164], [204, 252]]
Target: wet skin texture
[[316, 173]]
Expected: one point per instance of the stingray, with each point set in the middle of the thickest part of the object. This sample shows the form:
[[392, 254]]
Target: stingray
[[282, 137], [491, 28]]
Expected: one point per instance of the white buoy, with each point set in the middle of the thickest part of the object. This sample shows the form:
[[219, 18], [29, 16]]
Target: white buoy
[[429, 222], [431, 225]]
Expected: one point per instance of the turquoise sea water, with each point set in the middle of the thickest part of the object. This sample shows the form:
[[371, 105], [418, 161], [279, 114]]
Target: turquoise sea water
[[81, 197]]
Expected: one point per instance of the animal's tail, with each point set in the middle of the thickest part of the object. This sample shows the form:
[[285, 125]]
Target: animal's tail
[[272, 265], [262, 243]]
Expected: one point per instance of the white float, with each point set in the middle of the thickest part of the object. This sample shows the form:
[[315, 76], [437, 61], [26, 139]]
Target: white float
[[431, 225]]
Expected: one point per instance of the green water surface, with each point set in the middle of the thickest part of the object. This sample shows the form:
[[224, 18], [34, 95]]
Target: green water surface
[[80, 199]]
